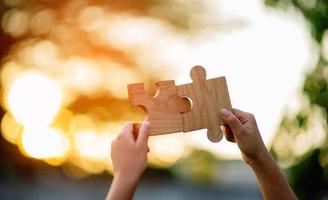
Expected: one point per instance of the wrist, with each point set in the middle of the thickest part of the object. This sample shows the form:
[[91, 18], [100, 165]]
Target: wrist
[[261, 159], [126, 178], [123, 187]]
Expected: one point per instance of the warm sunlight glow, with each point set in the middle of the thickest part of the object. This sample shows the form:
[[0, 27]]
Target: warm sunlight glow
[[15, 22], [125, 76], [44, 54], [45, 143], [82, 75], [34, 99], [9, 72], [93, 146], [42, 21], [140, 31], [10, 129], [64, 79], [167, 149]]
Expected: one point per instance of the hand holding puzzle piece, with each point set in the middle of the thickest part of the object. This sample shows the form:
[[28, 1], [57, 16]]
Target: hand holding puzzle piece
[[186, 107]]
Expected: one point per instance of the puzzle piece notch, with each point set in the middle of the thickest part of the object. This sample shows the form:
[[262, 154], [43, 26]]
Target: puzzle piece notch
[[208, 98], [163, 110]]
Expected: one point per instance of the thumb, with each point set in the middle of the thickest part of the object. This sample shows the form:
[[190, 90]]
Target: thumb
[[143, 133], [232, 121]]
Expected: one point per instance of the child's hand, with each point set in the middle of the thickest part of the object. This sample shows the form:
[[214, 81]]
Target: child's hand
[[242, 128], [129, 156], [129, 152]]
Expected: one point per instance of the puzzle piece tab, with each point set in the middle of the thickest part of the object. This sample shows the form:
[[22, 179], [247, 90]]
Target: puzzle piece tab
[[208, 98], [169, 112]]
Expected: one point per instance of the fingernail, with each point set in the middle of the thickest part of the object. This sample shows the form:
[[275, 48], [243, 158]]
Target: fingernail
[[225, 112]]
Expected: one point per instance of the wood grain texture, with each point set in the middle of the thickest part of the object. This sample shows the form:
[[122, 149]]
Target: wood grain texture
[[208, 98], [169, 112], [163, 110]]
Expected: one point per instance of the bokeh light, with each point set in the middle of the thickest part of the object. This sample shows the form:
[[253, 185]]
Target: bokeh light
[[85, 142], [15, 22], [44, 143], [34, 99], [10, 129], [63, 81], [43, 21], [174, 149]]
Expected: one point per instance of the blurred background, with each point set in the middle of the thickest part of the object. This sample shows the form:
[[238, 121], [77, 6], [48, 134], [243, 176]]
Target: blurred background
[[64, 70]]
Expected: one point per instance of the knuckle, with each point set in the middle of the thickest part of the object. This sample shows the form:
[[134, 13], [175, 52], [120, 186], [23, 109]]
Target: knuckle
[[251, 116], [233, 120]]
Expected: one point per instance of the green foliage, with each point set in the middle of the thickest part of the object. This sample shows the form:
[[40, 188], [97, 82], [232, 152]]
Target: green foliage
[[308, 173], [315, 11]]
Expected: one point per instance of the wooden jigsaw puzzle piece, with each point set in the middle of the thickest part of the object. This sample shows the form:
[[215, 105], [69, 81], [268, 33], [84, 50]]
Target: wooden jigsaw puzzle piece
[[163, 110], [208, 98]]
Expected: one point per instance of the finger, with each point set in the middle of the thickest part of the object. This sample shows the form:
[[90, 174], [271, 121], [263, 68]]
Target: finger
[[232, 121], [143, 133], [239, 113], [127, 131], [243, 116], [228, 134]]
